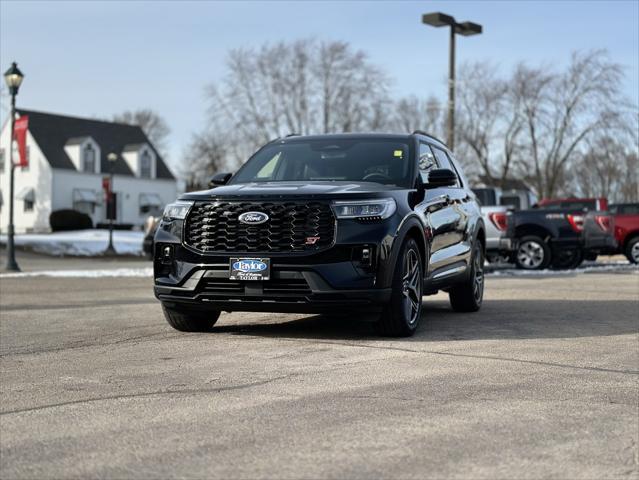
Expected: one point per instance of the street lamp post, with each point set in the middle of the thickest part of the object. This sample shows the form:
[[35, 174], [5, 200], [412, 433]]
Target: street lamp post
[[111, 157], [13, 77], [466, 29]]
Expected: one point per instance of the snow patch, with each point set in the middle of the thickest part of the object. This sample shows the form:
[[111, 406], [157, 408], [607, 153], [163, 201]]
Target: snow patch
[[105, 273], [87, 243], [588, 268]]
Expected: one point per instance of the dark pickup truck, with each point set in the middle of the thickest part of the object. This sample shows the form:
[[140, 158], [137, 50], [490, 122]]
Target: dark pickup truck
[[551, 233]]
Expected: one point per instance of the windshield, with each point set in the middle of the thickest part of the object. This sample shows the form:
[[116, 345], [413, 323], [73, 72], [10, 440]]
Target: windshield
[[381, 160]]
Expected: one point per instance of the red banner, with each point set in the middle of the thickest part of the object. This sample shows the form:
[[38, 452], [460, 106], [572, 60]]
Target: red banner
[[20, 135]]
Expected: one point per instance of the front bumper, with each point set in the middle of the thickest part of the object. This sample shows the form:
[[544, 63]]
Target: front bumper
[[300, 290]]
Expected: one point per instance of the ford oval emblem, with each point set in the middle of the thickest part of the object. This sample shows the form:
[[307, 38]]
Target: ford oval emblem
[[253, 218], [248, 266]]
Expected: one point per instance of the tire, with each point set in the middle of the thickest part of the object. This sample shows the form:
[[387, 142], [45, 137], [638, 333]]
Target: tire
[[401, 316], [567, 258], [532, 253], [468, 296], [591, 256], [632, 250], [190, 321]]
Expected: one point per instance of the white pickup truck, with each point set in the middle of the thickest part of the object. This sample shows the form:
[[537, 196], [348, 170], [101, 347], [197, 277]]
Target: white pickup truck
[[495, 205]]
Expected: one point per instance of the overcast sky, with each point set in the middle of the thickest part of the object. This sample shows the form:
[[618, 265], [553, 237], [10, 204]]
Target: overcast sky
[[98, 58]]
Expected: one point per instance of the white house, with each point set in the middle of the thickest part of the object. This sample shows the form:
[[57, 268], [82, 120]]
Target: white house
[[67, 161]]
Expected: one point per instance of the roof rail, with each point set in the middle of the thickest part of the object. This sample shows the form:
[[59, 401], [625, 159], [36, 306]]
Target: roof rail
[[426, 134], [285, 136]]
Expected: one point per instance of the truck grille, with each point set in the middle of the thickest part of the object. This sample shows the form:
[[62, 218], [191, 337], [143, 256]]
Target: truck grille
[[292, 227]]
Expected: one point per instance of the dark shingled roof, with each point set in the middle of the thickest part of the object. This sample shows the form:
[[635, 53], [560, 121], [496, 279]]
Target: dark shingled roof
[[53, 132]]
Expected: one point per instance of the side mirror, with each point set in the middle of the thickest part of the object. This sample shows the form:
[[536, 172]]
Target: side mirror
[[220, 179], [440, 177]]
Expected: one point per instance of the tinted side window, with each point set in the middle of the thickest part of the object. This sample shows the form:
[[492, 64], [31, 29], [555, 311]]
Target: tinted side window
[[444, 162], [511, 201], [486, 196], [426, 161], [625, 209]]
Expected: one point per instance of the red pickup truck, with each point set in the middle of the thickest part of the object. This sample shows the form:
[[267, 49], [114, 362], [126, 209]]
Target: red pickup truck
[[626, 225], [622, 220]]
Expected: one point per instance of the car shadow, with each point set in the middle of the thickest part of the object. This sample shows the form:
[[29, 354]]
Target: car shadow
[[498, 319]]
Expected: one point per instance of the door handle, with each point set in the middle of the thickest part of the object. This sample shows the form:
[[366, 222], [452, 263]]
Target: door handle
[[439, 201]]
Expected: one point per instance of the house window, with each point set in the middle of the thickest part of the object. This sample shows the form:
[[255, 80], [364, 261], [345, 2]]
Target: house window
[[85, 200], [1, 160], [151, 204], [145, 164], [27, 195], [88, 159]]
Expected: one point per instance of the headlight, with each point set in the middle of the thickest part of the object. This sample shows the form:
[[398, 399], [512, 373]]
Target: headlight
[[176, 211], [377, 209]]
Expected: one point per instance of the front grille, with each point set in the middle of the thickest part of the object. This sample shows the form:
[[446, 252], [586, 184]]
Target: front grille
[[292, 227]]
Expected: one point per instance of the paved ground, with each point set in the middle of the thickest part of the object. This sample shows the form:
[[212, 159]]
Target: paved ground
[[543, 382]]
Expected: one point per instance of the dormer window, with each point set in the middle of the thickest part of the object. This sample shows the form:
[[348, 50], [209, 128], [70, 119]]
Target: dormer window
[[88, 158], [145, 164]]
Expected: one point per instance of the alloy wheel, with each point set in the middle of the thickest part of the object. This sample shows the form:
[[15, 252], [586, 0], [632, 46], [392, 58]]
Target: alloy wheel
[[530, 254], [634, 252], [412, 286], [478, 280]]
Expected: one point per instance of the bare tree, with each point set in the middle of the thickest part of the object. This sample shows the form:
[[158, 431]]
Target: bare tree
[[488, 122], [301, 87], [205, 156], [153, 125], [412, 113], [607, 167], [561, 111]]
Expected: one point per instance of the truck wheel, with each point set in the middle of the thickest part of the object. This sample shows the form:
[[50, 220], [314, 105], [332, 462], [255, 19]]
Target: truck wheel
[[567, 258], [190, 321], [532, 253], [632, 250], [468, 296], [401, 316]]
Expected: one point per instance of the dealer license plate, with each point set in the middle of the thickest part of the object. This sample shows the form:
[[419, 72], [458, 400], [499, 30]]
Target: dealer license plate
[[250, 269]]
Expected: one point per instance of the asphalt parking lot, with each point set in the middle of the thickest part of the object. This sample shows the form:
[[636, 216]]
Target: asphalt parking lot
[[543, 382]]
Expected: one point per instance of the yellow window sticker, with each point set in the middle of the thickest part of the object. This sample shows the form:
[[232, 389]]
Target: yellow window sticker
[[398, 153]]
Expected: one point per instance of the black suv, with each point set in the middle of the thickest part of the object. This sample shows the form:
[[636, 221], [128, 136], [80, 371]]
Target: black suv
[[327, 223]]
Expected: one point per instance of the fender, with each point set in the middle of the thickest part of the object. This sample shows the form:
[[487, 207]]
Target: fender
[[392, 245]]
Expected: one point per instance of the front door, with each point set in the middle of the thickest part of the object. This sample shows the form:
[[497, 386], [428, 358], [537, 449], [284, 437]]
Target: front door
[[440, 208]]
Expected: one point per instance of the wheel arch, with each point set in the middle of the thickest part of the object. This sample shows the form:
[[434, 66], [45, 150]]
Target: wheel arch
[[629, 236], [411, 227], [533, 229]]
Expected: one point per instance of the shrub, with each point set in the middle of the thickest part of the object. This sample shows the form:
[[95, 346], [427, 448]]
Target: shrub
[[62, 220]]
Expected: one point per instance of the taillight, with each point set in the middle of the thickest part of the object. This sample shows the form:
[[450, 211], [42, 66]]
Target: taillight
[[603, 221], [499, 219], [576, 222]]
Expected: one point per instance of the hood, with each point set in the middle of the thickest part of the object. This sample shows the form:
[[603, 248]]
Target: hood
[[286, 189]]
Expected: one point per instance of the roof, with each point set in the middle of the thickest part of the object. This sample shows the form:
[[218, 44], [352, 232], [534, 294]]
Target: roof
[[53, 132], [342, 136], [358, 136]]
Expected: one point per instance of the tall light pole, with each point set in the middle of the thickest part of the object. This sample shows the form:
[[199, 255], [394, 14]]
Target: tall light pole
[[466, 29], [13, 77], [111, 157]]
